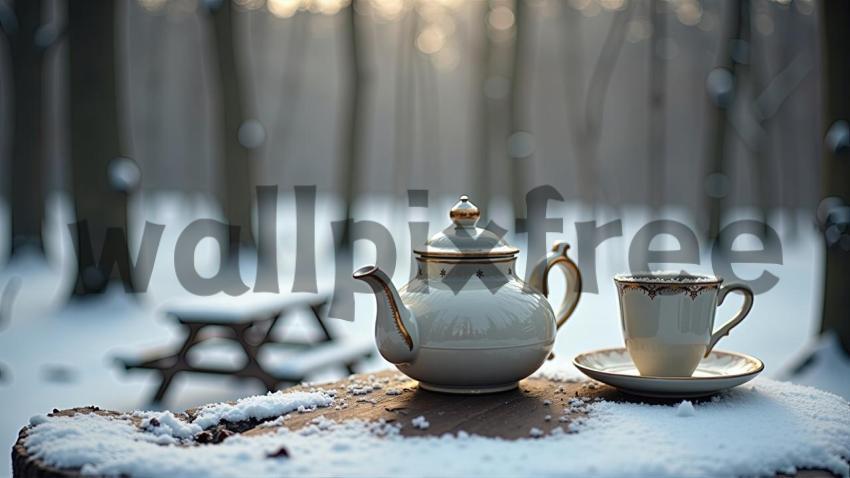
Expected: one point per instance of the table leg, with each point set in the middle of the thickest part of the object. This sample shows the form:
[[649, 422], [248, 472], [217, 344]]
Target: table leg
[[273, 320], [318, 314], [181, 363], [252, 367], [167, 377]]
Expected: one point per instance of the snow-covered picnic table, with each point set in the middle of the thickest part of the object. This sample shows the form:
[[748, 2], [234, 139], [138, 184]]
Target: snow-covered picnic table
[[383, 425], [250, 325]]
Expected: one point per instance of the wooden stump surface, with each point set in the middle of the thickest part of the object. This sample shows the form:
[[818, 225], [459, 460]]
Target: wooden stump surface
[[508, 415]]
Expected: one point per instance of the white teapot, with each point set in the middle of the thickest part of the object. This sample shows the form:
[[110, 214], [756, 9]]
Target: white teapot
[[466, 323]]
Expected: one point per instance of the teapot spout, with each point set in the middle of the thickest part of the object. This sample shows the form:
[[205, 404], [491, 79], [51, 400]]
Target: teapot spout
[[396, 332]]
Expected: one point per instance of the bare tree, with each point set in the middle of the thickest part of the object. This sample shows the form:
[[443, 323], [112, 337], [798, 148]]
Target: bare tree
[[353, 120], [293, 76], [518, 105], [721, 86], [588, 131], [573, 60], [763, 182], [27, 44], [95, 141], [493, 110], [485, 71], [404, 102], [836, 168], [657, 118], [237, 174]]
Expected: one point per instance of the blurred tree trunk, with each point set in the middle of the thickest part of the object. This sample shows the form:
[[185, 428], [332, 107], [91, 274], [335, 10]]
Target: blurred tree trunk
[[590, 186], [836, 169], [95, 140], [237, 195], [484, 114], [733, 56], [293, 79], [573, 50], [496, 115], [520, 72], [404, 103], [657, 143], [763, 183], [353, 121], [28, 183]]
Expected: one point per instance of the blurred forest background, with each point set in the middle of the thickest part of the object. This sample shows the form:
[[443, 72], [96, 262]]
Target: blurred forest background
[[704, 106], [700, 105], [680, 102]]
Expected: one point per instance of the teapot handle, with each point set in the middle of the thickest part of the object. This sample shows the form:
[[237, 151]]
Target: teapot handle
[[539, 279]]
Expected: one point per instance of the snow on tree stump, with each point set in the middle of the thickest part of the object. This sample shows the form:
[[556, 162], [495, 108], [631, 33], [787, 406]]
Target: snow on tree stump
[[370, 425]]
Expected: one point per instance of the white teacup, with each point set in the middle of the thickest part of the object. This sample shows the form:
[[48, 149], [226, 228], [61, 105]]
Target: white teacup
[[668, 319]]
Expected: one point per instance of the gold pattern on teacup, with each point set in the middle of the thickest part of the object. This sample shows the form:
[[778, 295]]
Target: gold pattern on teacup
[[652, 290]]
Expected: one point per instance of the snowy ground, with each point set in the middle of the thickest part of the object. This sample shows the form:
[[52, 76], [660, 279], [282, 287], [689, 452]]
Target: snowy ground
[[58, 354]]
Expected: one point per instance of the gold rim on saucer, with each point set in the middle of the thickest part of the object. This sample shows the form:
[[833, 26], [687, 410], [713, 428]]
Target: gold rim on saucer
[[757, 365], [719, 371]]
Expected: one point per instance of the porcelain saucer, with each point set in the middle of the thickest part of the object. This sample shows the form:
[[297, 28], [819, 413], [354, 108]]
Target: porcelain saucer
[[715, 373]]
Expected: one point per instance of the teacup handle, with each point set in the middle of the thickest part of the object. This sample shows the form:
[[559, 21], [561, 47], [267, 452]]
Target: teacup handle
[[742, 312], [539, 279]]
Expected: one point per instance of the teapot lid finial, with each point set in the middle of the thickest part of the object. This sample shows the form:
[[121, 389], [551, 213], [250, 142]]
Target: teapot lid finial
[[464, 213], [464, 240]]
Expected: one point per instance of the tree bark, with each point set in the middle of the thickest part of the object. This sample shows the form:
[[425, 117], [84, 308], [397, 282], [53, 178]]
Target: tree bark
[[237, 193], [95, 139], [405, 106], [738, 26], [353, 122], [836, 170], [657, 137], [518, 111], [27, 179], [483, 112]]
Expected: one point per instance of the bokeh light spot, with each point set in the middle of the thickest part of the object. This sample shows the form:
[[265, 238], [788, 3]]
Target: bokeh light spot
[[764, 23], [720, 86], [717, 185], [612, 5], [501, 18], [521, 145], [430, 39], [249, 4], [838, 137], [152, 5], [805, 7], [124, 174], [282, 8], [638, 29], [388, 9], [689, 12], [252, 134]]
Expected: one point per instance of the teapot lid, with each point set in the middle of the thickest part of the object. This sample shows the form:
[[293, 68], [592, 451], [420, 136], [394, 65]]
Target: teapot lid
[[465, 240]]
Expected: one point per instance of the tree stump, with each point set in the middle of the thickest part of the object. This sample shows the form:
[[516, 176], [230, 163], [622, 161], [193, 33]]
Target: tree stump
[[537, 403]]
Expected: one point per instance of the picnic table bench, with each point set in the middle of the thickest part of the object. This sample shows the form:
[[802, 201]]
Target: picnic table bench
[[250, 325]]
